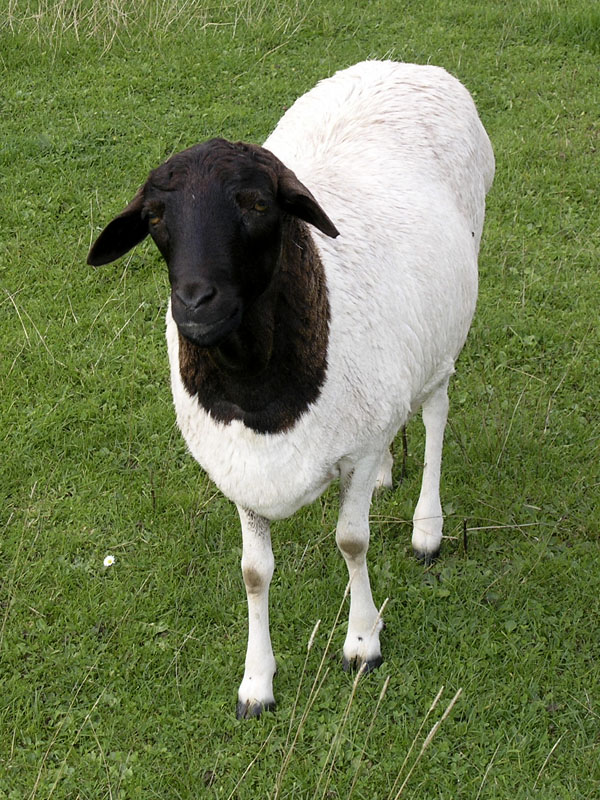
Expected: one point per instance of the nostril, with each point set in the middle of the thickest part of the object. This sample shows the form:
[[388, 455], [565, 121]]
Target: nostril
[[192, 297]]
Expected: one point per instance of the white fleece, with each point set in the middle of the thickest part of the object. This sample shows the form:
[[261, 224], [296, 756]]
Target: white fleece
[[398, 159]]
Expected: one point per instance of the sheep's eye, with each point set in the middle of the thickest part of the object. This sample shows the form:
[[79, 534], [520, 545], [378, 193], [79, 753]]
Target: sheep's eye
[[155, 219], [260, 206]]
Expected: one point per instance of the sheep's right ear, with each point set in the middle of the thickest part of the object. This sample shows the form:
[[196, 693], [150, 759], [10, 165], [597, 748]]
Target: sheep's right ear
[[296, 199], [124, 232]]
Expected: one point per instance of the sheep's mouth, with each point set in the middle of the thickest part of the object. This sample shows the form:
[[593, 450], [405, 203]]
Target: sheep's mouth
[[209, 334]]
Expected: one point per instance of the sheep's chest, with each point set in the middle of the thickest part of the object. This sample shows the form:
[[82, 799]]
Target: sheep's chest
[[272, 474]]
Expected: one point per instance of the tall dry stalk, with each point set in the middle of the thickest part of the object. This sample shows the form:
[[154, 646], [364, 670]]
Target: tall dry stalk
[[314, 691], [426, 743]]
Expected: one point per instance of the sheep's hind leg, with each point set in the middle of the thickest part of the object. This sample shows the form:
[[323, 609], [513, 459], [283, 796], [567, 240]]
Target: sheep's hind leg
[[384, 473], [427, 519], [256, 690], [352, 537]]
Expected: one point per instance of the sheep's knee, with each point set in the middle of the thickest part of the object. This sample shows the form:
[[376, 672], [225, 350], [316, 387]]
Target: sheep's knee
[[352, 544], [256, 579]]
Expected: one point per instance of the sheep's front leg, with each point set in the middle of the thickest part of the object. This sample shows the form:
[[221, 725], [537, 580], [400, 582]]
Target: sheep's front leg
[[427, 519], [256, 690], [352, 537]]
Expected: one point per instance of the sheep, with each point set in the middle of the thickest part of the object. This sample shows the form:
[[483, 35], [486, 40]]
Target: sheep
[[322, 287]]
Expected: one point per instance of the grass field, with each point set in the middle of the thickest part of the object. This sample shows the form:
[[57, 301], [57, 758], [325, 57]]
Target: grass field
[[120, 681]]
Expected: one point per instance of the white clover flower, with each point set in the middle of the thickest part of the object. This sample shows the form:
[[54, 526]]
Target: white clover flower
[[109, 561]]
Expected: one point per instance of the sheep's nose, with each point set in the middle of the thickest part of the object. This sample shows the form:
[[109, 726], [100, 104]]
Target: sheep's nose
[[192, 297]]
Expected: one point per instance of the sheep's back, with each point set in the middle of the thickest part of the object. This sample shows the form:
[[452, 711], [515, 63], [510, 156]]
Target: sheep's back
[[381, 123], [397, 157]]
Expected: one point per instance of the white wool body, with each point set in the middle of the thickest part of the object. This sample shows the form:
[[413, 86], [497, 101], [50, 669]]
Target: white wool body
[[397, 157]]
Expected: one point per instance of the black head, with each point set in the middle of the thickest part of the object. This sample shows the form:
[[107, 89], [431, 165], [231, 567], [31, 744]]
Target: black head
[[215, 212]]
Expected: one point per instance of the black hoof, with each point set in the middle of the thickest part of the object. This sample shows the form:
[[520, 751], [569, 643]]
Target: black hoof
[[250, 710], [355, 664], [427, 558]]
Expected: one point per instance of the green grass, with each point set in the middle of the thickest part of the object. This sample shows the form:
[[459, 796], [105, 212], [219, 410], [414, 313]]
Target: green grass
[[120, 682]]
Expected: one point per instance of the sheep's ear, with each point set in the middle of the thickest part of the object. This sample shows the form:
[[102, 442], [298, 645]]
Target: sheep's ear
[[297, 200], [124, 232]]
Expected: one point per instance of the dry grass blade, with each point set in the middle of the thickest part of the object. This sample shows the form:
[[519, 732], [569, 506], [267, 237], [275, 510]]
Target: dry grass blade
[[116, 336], [251, 764], [510, 424], [11, 298], [368, 735], [63, 764], [300, 682], [543, 767], [414, 741], [314, 691], [74, 697], [117, 20], [104, 762], [487, 772], [574, 360], [428, 739], [11, 578], [337, 739]]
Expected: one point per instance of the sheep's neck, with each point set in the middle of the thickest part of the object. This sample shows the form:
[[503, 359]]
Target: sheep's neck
[[268, 373]]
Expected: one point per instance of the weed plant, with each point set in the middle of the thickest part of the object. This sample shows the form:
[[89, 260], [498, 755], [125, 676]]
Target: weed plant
[[119, 681]]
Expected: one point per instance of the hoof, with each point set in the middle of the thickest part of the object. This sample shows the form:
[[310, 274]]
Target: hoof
[[355, 664], [427, 558], [248, 710]]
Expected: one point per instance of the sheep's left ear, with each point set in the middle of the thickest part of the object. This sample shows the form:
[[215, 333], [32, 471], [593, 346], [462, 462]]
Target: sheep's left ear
[[124, 232], [297, 200]]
